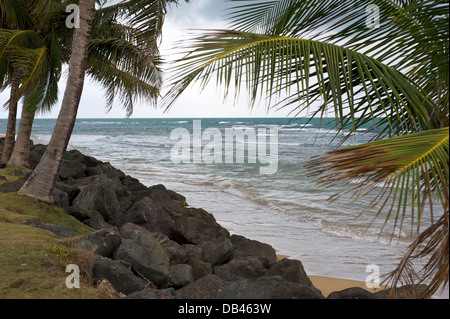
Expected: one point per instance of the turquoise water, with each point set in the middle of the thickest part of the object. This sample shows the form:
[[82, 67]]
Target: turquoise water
[[285, 209]]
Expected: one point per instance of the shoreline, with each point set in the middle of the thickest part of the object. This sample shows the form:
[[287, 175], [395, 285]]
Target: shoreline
[[325, 284]]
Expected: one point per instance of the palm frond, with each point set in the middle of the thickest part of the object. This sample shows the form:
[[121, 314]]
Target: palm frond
[[413, 170], [306, 71]]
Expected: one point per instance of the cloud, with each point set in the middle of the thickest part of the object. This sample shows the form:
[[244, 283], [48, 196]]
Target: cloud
[[180, 22]]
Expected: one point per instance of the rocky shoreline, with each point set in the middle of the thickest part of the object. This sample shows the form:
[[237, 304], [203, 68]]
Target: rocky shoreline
[[149, 244]]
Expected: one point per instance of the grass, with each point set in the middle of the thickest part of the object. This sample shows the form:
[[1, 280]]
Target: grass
[[32, 260]]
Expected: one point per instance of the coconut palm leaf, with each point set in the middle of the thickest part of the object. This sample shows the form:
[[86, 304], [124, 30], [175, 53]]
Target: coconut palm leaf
[[413, 168], [306, 71], [411, 36]]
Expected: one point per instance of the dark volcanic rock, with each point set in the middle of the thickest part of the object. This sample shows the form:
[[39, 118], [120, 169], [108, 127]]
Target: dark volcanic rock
[[105, 195], [121, 277], [147, 257], [291, 270], [58, 230], [101, 242], [146, 214], [150, 293], [194, 226], [244, 247], [180, 275], [217, 251], [352, 293], [205, 288], [268, 288], [241, 268]]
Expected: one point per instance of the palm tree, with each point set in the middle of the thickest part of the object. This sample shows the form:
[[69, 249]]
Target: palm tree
[[321, 56], [148, 16], [131, 71], [27, 64]]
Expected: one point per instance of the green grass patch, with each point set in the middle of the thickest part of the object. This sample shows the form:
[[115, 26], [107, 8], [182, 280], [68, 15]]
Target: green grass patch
[[32, 260], [7, 172]]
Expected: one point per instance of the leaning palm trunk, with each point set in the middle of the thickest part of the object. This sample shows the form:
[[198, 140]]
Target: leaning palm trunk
[[42, 181], [10, 137], [21, 153]]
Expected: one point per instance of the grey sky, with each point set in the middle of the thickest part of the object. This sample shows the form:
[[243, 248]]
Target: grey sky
[[199, 14]]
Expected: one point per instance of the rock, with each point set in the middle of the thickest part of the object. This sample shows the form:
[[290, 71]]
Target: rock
[[133, 184], [14, 186], [60, 199], [107, 291], [291, 270], [244, 247], [110, 171], [105, 195], [403, 292], [146, 214], [83, 214], [177, 254], [17, 172], [35, 155], [180, 275], [147, 257], [352, 293], [75, 165], [217, 251], [121, 277], [150, 293], [58, 230], [204, 288], [71, 191], [241, 268], [200, 268], [268, 288], [98, 224], [101, 242], [2, 178]]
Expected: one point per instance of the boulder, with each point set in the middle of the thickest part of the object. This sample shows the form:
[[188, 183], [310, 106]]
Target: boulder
[[217, 251], [291, 270], [58, 230], [60, 199], [121, 277], [150, 293], [268, 288], [177, 254], [244, 247], [241, 268], [14, 186], [101, 242], [146, 214], [403, 292], [105, 195], [147, 257], [180, 275], [352, 293], [194, 226], [205, 288], [200, 268]]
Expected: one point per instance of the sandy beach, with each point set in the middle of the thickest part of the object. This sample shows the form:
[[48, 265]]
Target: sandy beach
[[328, 285]]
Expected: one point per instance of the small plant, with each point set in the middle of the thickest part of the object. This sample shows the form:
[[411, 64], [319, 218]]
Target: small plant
[[61, 253]]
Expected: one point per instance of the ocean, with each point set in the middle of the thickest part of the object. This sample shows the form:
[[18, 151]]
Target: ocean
[[284, 208]]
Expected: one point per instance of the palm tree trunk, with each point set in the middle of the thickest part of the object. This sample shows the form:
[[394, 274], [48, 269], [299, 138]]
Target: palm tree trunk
[[10, 137], [41, 183], [21, 154]]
